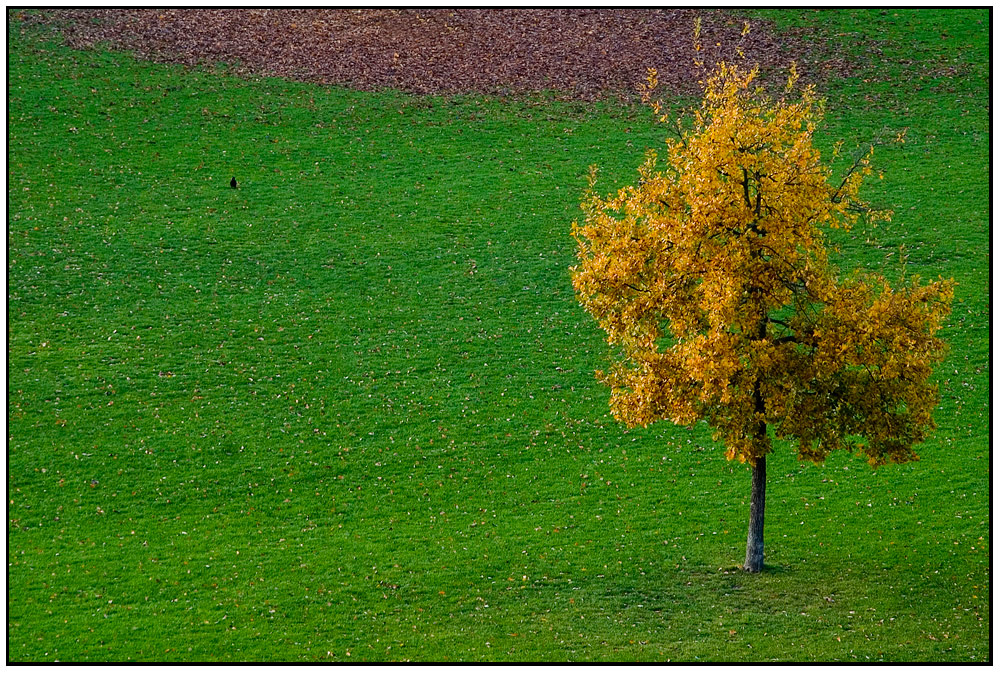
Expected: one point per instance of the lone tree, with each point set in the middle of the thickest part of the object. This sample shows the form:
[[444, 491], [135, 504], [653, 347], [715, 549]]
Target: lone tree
[[711, 279]]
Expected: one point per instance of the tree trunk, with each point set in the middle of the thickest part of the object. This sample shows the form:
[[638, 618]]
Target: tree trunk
[[754, 562]]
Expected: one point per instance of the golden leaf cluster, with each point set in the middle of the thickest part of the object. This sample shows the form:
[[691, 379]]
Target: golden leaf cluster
[[710, 277]]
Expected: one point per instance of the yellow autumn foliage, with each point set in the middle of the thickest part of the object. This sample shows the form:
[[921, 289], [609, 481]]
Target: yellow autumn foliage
[[711, 279]]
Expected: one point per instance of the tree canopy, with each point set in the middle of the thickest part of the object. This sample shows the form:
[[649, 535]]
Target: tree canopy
[[711, 278]]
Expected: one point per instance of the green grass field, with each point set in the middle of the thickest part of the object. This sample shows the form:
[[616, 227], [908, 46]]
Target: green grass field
[[347, 411]]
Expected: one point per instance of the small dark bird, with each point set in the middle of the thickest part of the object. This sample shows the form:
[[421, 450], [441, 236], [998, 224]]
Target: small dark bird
[[232, 183]]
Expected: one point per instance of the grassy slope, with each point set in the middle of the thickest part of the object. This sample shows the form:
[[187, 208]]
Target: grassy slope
[[347, 411]]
